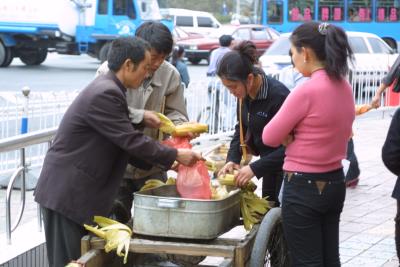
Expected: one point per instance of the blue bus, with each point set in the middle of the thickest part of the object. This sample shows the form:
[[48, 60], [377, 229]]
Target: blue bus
[[381, 17]]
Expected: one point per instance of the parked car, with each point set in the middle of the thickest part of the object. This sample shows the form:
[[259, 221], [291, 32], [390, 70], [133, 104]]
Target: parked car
[[372, 57], [191, 20], [200, 48], [180, 34]]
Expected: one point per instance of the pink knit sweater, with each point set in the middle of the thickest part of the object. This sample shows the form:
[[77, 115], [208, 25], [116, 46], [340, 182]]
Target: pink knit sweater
[[320, 114]]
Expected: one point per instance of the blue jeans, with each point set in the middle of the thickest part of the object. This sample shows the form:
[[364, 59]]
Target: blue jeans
[[311, 209]]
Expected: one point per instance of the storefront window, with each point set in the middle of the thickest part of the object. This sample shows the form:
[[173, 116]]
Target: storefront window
[[331, 10], [274, 11], [301, 10], [387, 11], [359, 11]]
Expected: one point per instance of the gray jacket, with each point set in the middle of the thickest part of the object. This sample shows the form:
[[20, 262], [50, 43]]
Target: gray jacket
[[163, 93]]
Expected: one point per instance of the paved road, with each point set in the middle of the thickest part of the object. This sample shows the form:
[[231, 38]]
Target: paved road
[[62, 72]]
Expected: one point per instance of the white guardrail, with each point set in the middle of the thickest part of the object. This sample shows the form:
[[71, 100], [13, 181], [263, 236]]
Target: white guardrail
[[207, 101]]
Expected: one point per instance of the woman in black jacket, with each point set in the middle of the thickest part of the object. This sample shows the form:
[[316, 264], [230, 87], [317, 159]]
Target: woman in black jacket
[[260, 98]]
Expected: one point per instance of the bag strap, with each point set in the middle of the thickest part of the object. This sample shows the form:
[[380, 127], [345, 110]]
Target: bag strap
[[242, 143], [160, 133]]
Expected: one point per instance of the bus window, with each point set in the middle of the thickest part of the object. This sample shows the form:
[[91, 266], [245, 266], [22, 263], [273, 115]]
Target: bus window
[[331, 10], [359, 11], [301, 10], [387, 10], [103, 7], [275, 12]]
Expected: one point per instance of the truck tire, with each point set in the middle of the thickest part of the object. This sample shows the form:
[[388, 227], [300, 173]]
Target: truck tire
[[32, 57], [6, 55], [104, 52]]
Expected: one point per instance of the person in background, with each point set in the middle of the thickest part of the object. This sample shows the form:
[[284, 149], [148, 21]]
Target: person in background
[[290, 76], [161, 92], [225, 42], [393, 73], [391, 159], [180, 65], [260, 97], [316, 130], [96, 139]]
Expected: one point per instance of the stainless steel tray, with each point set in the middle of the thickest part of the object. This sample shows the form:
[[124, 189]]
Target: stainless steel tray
[[161, 212]]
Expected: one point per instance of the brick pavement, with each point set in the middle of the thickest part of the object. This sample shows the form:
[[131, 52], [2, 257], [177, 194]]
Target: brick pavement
[[367, 227]]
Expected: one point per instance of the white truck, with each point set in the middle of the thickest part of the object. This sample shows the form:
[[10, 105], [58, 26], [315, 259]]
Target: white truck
[[29, 29]]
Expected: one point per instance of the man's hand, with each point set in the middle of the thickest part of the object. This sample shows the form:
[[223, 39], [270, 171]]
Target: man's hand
[[151, 120], [188, 157], [229, 167], [243, 176]]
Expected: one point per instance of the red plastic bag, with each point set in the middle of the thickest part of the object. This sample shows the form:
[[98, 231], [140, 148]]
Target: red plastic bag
[[193, 181]]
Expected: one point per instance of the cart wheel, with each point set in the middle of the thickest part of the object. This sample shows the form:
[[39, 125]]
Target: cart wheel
[[269, 247]]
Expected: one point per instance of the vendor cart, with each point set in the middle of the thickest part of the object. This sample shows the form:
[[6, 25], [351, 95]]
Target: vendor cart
[[264, 245]]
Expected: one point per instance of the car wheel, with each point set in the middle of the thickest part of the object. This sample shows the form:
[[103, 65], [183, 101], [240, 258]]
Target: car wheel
[[194, 61]]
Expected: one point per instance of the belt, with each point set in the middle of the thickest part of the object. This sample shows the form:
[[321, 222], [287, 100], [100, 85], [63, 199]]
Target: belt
[[320, 184]]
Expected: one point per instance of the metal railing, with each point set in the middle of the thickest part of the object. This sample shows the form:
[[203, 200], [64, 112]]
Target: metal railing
[[20, 142]]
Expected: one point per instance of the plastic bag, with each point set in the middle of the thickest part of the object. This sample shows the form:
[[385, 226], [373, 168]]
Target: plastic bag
[[194, 181]]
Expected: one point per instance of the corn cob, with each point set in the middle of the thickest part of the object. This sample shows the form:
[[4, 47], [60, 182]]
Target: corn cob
[[117, 235], [167, 126], [361, 109], [190, 127]]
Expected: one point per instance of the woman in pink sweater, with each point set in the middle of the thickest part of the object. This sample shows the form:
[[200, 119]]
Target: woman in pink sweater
[[315, 123]]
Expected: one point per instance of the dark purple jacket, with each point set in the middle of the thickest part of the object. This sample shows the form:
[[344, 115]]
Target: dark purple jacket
[[83, 168]]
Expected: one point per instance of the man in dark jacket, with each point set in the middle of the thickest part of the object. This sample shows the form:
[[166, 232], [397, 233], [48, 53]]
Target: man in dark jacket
[[84, 166], [391, 159]]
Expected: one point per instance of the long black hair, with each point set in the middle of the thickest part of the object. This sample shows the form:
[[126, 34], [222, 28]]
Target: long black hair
[[237, 64], [329, 44]]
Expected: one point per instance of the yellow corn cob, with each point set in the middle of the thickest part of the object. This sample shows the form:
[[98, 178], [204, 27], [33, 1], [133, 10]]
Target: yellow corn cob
[[190, 127], [361, 109], [151, 183], [116, 235], [211, 166], [167, 126]]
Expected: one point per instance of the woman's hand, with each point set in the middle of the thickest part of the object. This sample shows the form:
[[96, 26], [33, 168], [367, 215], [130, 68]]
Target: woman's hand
[[288, 140], [243, 176], [376, 101], [229, 167]]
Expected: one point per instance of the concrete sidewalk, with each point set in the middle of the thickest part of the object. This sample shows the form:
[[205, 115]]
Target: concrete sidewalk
[[367, 226]]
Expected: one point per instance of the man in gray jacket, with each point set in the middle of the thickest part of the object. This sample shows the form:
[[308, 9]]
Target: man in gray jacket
[[160, 92], [83, 167]]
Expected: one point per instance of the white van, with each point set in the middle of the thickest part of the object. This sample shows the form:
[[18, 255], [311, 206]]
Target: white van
[[192, 21]]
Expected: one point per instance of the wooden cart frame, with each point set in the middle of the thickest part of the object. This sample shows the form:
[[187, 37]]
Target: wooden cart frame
[[236, 252]]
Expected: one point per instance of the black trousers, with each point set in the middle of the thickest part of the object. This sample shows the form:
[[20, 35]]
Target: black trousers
[[354, 170], [122, 206], [271, 186], [397, 230], [310, 216], [63, 238]]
